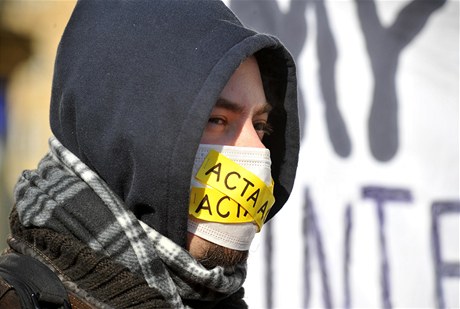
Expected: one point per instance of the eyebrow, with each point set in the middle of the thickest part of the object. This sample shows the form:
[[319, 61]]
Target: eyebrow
[[239, 108]]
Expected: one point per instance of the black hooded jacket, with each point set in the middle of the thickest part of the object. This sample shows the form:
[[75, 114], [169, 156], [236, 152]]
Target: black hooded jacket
[[133, 87]]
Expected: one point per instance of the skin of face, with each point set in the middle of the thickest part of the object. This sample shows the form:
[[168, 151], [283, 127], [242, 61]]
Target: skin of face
[[239, 118]]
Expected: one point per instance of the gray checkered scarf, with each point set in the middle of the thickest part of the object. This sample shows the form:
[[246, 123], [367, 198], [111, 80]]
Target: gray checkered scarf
[[46, 197]]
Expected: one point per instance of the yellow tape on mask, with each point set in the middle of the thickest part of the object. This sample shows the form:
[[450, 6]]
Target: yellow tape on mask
[[208, 204], [238, 184]]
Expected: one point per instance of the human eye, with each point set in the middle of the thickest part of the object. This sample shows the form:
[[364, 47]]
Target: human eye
[[215, 120], [263, 128]]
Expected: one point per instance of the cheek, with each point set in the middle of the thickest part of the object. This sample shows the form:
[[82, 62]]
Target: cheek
[[215, 138], [220, 134]]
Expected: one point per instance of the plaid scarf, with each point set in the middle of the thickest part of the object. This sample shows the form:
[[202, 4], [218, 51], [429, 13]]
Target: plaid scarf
[[47, 197]]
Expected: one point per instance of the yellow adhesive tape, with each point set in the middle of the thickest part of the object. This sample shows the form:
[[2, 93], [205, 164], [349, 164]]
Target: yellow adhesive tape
[[237, 183], [208, 204]]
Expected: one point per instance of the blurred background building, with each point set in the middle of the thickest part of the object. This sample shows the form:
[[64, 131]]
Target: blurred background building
[[29, 35]]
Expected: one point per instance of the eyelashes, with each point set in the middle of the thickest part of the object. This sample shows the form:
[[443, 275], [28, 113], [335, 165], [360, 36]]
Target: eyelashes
[[263, 127], [217, 121]]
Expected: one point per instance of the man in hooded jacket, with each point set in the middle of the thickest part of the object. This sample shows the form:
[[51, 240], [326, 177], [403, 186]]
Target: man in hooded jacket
[[175, 139]]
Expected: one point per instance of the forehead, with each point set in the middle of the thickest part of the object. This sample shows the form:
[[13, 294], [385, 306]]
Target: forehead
[[244, 88]]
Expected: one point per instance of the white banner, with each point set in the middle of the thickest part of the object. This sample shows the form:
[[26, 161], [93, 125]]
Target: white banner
[[374, 219]]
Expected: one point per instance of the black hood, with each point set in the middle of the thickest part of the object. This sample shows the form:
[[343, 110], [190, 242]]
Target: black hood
[[133, 87]]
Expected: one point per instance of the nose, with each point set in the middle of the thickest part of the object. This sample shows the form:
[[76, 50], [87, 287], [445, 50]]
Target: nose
[[249, 137]]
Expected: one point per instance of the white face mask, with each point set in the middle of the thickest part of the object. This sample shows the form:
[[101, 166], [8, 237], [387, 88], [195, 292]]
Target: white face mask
[[246, 184]]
